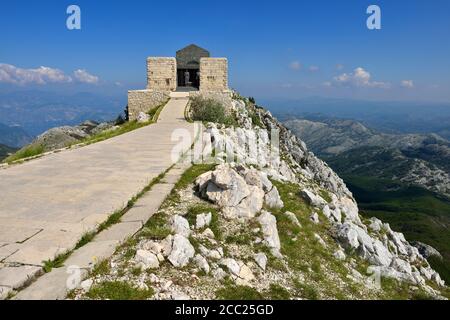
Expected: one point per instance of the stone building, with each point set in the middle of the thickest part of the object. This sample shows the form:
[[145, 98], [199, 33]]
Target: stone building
[[193, 70]]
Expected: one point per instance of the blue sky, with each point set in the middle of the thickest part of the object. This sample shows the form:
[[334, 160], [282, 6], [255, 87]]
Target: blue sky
[[275, 48]]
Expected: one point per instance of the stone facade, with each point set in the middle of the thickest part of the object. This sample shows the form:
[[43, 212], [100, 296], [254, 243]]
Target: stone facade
[[144, 101], [213, 74], [161, 73]]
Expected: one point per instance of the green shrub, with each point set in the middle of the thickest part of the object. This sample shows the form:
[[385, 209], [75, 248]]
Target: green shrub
[[210, 110]]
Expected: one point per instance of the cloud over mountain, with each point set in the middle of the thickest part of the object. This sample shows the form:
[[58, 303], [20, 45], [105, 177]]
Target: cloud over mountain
[[11, 74], [359, 78]]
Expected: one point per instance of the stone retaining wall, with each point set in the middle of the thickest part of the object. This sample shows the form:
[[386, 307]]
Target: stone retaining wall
[[144, 101]]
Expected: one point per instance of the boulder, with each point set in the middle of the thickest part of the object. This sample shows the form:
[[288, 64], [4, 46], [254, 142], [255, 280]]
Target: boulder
[[339, 254], [148, 259], [312, 198], [269, 229], [166, 245], [180, 226], [273, 199], [201, 263], [203, 220], [293, 218], [182, 251], [261, 260], [314, 218], [426, 250], [232, 266]]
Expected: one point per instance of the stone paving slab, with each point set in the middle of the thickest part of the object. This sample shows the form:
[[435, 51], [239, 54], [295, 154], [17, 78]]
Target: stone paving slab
[[51, 286], [7, 250], [18, 277], [35, 255], [10, 234], [147, 205], [89, 255], [120, 231]]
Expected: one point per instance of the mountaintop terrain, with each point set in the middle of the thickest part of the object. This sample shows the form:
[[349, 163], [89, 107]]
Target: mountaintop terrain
[[400, 178], [261, 226]]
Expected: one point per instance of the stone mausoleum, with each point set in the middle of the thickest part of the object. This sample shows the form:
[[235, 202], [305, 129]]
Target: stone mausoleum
[[193, 70]]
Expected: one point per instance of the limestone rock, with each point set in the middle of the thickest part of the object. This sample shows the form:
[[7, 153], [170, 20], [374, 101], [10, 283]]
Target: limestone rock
[[86, 284], [231, 265], [261, 260], [166, 245], [269, 229], [147, 258], [339, 254], [182, 251], [313, 199], [201, 263], [273, 199], [180, 226], [293, 218], [203, 220], [315, 218]]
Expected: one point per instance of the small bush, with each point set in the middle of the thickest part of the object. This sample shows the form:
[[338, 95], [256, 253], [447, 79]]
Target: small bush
[[210, 110]]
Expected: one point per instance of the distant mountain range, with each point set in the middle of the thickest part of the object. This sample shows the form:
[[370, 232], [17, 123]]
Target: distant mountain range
[[13, 136], [401, 178], [37, 111], [386, 116], [353, 149]]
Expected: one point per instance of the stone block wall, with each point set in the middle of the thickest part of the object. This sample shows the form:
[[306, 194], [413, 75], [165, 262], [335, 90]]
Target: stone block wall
[[161, 73], [144, 101], [213, 74]]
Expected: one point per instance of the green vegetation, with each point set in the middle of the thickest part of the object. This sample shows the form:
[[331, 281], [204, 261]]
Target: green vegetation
[[5, 151], [277, 292], [418, 213], [210, 110], [234, 292], [26, 152], [119, 290]]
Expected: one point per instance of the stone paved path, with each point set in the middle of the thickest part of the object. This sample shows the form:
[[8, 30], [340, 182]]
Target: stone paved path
[[47, 204]]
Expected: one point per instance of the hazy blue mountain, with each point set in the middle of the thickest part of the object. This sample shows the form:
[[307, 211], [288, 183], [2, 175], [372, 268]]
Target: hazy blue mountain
[[37, 111], [390, 117], [13, 136]]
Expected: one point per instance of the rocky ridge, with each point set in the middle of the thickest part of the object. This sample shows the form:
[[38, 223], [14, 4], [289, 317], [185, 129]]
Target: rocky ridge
[[251, 227]]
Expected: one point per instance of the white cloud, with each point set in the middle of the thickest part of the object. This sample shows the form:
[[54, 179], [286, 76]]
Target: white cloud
[[313, 68], [42, 75], [339, 66], [407, 84], [85, 77], [295, 65], [359, 78]]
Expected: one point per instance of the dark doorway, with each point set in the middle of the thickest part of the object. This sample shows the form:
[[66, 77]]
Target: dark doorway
[[188, 66], [191, 80]]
